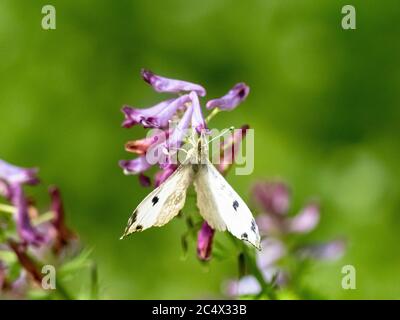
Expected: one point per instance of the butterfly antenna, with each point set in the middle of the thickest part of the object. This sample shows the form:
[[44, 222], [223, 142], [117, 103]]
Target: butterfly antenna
[[221, 134]]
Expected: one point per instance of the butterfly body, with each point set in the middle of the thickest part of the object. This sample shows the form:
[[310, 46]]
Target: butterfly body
[[218, 203]]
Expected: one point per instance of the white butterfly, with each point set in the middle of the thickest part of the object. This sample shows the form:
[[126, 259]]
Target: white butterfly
[[218, 203]]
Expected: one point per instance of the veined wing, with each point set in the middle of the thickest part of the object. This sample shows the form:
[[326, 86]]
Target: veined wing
[[163, 203], [222, 207]]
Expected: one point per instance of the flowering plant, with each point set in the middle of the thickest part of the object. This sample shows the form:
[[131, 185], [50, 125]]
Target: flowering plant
[[38, 252], [260, 273]]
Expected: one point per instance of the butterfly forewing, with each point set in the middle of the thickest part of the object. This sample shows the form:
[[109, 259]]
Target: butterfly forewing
[[222, 207], [163, 203]]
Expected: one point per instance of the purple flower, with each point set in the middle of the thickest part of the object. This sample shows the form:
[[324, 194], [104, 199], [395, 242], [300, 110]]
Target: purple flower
[[232, 99], [135, 166], [154, 117], [17, 175], [204, 242], [305, 221], [230, 148], [162, 84], [14, 178], [184, 110], [272, 196], [179, 132], [141, 146]]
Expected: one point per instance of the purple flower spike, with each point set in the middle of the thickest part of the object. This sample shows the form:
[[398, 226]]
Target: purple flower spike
[[204, 242], [272, 196], [306, 220], [198, 121], [162, 84], [232, 99], [134, 166]]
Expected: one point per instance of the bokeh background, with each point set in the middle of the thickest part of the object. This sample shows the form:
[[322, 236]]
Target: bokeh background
[[324, 104]]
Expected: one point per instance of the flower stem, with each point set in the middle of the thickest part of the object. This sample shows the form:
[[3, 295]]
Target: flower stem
[[7, 208], [212, 114]]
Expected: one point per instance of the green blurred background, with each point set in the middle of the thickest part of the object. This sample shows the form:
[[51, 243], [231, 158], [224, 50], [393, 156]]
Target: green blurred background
[[324, 104]]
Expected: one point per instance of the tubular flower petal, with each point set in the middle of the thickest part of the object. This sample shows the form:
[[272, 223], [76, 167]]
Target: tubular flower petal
[[134, 166], [16, 175], [143, 117], [232, 99], [180, 131], [162, 84], [141, 146]]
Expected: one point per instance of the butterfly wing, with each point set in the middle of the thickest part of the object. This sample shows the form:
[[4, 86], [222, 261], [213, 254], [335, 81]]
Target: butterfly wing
[[222, 207], [163, 203]]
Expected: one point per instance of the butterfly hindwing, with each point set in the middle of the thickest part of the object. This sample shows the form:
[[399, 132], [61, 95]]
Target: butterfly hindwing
[[163, 203], [222, 207]]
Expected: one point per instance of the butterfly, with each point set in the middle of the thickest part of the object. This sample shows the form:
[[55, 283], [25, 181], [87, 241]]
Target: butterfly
[[218, 203]]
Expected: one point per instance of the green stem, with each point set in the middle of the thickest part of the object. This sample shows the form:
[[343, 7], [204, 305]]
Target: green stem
[[7, 208], [212, 114]]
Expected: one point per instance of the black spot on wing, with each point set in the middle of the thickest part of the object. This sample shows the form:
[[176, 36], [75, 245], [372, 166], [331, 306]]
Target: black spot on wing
[[139, 228], [154, 200], [253, 226], [132, 218], [244, 236], [235, 205]]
